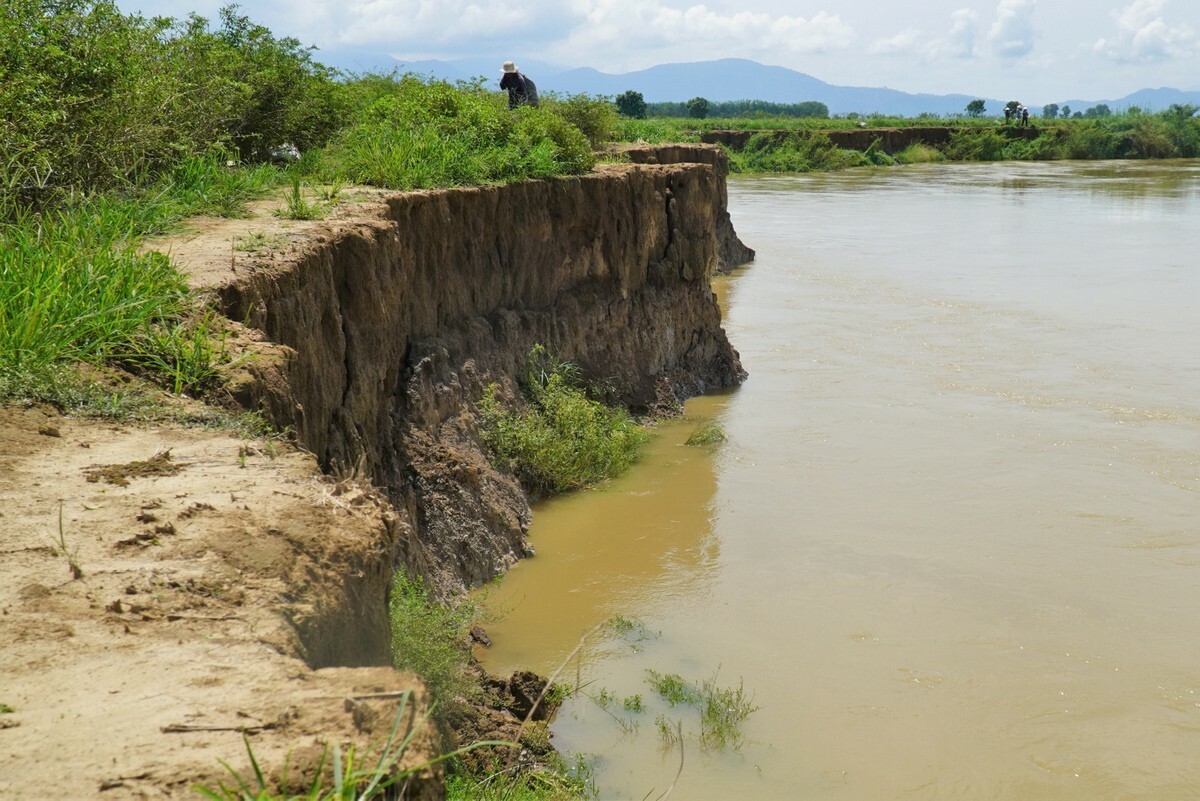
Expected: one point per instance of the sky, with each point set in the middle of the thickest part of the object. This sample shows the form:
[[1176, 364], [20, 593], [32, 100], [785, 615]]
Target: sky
[[1044, 50]]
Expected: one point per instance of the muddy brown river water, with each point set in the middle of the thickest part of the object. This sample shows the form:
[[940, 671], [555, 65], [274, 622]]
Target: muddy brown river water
[[952, 542]]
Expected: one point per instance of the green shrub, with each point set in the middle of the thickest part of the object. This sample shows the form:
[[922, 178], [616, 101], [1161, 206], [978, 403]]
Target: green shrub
[[793, 152], [94, 99], [437, 134], [1091, 140], [596, 118], [918, 153], [565, 440], [982, 144]]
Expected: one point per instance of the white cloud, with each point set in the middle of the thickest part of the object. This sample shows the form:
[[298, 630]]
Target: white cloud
[[1012, 34], [650, 33], [1143, 35], [958, 43], [904, 42], [428, 24]]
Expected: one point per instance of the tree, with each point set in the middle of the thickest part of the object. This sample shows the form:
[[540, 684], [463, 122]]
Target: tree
[[1050, 111], [631, 104], [1182, 111], [975, 108], [1066, 112], [1098, 110], [698, 108]]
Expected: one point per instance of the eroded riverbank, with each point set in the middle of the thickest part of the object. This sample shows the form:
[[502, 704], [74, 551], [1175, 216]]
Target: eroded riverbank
[[371, 334]]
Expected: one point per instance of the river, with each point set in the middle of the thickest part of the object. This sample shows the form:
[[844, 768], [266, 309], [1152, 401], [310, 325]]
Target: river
[[951, 545]]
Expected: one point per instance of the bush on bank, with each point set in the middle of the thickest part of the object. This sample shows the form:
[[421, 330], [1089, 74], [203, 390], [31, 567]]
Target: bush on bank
[[564, 439], [1174, 133]]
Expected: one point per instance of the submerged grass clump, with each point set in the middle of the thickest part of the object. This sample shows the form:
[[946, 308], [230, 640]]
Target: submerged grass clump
[[722, 709], [708, 435], [565, 439]]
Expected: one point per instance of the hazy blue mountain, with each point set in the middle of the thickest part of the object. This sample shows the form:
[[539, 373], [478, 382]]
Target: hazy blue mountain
[[729, 79], [740, 79], [1145, 99]]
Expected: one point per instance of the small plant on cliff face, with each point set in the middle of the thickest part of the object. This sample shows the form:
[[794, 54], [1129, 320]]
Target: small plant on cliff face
[[565, 440], [428, 638]]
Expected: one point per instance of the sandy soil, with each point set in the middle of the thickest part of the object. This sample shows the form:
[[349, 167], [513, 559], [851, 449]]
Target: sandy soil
[[145, 606]]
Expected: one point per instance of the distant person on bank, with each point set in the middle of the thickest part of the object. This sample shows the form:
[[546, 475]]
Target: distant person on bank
[[521, 91]]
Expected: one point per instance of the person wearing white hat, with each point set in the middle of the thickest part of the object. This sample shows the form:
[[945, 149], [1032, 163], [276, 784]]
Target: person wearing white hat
[[519, 93]]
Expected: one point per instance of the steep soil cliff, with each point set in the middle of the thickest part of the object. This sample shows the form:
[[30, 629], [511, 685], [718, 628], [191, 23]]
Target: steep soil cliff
[[394, 317]]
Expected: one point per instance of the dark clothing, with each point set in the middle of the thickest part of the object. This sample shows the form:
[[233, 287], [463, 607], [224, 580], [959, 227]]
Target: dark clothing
[[514, 82]]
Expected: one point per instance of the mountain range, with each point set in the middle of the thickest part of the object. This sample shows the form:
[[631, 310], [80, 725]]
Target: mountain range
[[738, 79]]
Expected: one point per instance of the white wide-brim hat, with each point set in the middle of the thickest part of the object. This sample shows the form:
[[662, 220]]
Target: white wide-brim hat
[[508, 66]]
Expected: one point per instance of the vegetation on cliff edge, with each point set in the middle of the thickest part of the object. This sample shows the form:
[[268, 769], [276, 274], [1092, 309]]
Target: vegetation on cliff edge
[[114, 127], [564, 439]]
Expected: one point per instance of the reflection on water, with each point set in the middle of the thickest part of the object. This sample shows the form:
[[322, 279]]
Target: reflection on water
[[952, 544]]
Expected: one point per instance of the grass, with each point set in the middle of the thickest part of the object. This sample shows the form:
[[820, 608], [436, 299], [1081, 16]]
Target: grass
[[564, 439], [75, 288], [564, 781], [61, 549], [256, 241], [298, 207], [353, 776], [708, 435], [722, 709], [428, 639]]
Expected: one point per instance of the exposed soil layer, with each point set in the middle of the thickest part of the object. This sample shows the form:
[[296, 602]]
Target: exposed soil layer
[[200, 587], [387, 321]]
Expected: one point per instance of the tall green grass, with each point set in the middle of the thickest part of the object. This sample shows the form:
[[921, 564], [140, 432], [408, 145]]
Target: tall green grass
[[74, 286], [564, 439]]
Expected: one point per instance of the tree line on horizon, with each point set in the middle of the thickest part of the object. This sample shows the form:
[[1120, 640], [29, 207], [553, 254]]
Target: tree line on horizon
[[632, 104]]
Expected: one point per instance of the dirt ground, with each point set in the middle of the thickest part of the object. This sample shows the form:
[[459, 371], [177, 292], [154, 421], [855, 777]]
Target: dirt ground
[[147, 575]]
